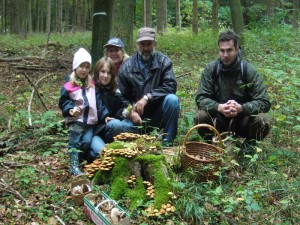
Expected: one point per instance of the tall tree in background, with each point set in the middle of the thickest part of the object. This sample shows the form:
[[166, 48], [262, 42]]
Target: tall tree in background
[[67, 15], [60, 14], [237, 19], [161, 16], [102, 24], [215, 19], [3, 17], [178, 15], [296, 15], [79, 12], [123, 22], [73, 15], [195, 17], [48, 16], [147, 13]]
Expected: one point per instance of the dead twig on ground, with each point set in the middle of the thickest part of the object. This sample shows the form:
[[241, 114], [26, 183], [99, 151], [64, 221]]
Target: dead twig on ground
[[9, 189], [184, 74]]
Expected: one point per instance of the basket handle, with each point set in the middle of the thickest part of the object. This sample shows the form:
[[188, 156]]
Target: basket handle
[[203, 126], [80, 176], [114, 203]]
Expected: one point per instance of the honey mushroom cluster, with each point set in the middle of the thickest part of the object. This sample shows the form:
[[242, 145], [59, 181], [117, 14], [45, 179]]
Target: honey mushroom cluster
[[104, 164], [165, 209], [126, 152], [131, 181], [172, 195], [150, 189], [126, 137], [132, 136]]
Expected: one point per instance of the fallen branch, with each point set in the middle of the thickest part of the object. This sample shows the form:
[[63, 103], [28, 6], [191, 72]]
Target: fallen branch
[[184, 74], [32, 94], [11, 190]]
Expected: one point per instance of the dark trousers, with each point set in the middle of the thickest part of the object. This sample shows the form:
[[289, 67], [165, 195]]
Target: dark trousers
[[254, 127]]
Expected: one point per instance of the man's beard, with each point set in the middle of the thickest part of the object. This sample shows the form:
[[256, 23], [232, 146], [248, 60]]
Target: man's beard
[[146, 56]]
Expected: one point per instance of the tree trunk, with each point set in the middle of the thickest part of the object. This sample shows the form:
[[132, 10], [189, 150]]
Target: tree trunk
[[178, 15], [161, 16], [123, 22], [83, 17], [147, 13], [48, 16], [102, 24], [3, 17], [73, 15], [29, 17], [296, 15], [59, 17], [79, 12], [215, 20], [237, 19], [66, 20], [195, 17]]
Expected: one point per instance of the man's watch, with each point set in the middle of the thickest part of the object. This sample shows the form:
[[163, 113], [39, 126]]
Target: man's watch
[[146, 98]]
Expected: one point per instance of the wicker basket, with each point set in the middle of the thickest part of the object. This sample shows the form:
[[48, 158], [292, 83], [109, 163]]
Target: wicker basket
[[81, 181], [204, 158]]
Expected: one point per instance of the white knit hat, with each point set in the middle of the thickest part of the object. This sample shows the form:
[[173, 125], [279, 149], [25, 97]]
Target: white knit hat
[[81, 56]]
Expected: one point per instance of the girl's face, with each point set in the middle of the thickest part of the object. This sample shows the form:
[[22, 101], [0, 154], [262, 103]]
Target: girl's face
[[104, 75], [83, 70]]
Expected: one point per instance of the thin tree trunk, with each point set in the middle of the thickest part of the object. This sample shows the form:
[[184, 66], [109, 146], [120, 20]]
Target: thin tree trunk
[[67, 20], [3, 17], [161, 16], [123, 22], [79, 15], [48, 16], [237, 19], [195, 17], [296, 15], [147, 13], [83, 18], [73, 15], [59, 19], [29, 17], [178, 15], [215, 19]]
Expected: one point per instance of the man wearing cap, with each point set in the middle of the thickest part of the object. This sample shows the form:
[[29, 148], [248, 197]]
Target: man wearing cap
[[115, 50], [147, 80]]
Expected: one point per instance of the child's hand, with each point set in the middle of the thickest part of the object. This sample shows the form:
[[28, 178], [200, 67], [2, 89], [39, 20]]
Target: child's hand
[[76, 111], [107, 119]]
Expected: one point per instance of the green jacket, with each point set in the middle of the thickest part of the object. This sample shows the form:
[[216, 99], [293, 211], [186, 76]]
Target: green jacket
[[229, 85]]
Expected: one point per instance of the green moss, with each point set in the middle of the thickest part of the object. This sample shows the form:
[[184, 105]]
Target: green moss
[[150, 158], [117, 145], [120, 173], [137, 195]]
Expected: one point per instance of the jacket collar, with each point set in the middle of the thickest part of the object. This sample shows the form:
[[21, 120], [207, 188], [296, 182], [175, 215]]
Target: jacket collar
[[154, 64]]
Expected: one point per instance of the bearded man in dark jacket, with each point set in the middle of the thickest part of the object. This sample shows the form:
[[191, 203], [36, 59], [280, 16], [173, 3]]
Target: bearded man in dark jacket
[[148, 82], [227, 97]]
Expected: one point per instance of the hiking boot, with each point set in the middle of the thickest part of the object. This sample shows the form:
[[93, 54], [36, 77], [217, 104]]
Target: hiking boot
[[74, 164]]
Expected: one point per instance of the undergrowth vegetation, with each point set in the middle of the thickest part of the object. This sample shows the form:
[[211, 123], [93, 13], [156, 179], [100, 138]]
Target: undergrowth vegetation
[[34, 184]]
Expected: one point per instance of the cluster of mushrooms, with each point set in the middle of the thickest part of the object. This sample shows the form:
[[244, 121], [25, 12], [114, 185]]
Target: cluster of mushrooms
[[80, 189], [132, 137], [126, 152], [150, 189], [165, 209], [104, 164], [131, 181]]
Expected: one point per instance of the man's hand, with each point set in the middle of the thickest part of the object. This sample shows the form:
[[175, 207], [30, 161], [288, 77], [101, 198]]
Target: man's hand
[[135, 118], [230, 108], [139, 106]]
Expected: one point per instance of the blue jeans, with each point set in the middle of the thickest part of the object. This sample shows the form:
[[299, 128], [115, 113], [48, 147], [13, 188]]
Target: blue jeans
[[166, 116], [113, 128], [80, 138]]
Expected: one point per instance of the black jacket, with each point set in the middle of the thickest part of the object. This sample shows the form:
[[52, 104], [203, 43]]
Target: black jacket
[[159, 82]]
